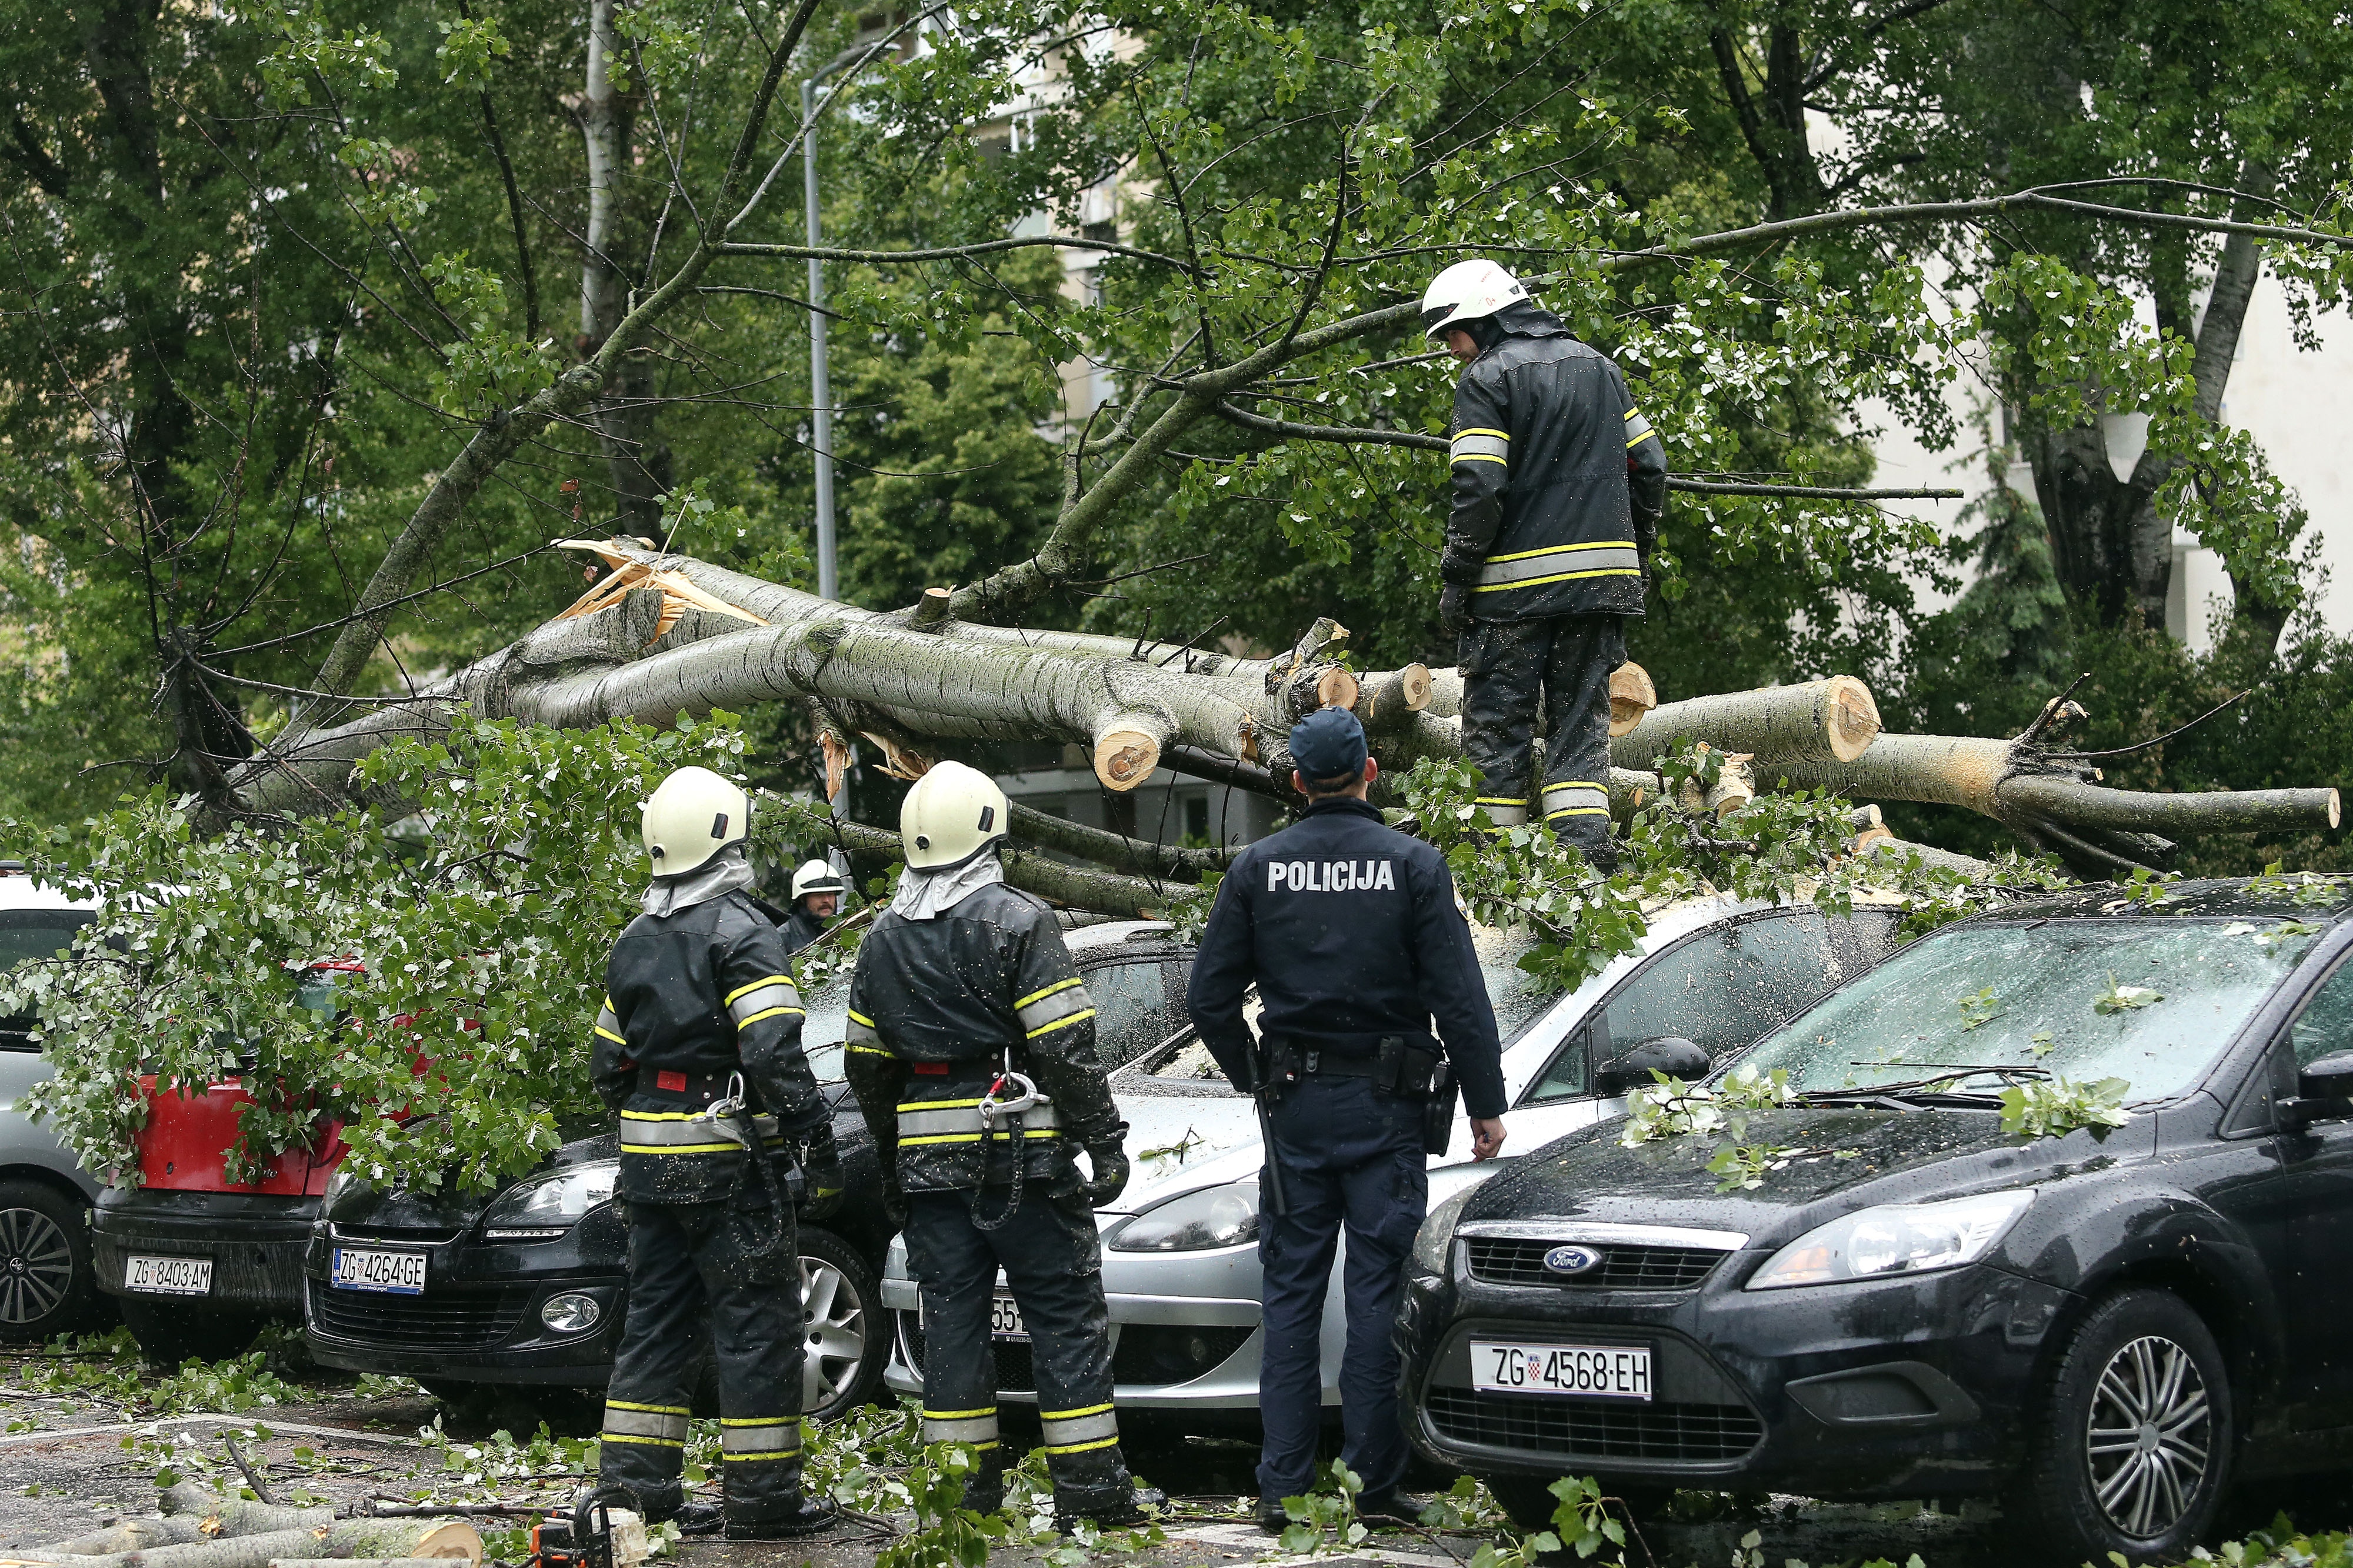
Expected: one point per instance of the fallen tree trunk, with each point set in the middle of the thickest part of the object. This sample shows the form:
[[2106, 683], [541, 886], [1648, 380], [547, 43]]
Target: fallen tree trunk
[[672, 634], [216, 1515]]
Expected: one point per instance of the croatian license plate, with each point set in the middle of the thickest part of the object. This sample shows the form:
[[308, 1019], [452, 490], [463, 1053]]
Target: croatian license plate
[[169, 1276], [389, 1273], [1596, 1371]]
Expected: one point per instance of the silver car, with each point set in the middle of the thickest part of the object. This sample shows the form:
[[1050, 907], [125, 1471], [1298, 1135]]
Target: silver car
[[1181, 1253], [45, 1194]]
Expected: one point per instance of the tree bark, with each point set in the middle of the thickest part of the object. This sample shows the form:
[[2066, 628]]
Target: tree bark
[[441, 1539], [636, 465], [1831, 720]]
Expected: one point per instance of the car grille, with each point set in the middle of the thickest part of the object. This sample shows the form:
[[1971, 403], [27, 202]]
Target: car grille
[[452, 1321], [1148, 1354], [407, 1235], [1512, 1260], [1574, 1430], [1016, 1374]]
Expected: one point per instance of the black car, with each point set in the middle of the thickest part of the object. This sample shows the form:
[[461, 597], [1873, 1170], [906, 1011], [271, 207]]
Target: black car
[[527, 1285], [2103, 1328]]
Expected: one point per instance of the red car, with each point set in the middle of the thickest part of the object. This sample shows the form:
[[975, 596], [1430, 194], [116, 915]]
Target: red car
[[197, 1262]]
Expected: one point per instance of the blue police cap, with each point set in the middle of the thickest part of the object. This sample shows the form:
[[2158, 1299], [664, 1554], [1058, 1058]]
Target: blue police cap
[[1328, 745]]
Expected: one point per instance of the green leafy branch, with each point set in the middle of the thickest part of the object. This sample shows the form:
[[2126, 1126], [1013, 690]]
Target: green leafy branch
[[2052, 1108]]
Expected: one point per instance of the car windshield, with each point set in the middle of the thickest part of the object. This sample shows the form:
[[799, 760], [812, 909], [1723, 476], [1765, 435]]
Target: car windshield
[[1519, 999], [826, 1027], [2151, 1001]]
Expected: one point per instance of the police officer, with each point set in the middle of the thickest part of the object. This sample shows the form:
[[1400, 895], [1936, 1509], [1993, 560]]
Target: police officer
[[1558, 487], [817, 898], [699, 1048], [1352, 931], [971, 1049]]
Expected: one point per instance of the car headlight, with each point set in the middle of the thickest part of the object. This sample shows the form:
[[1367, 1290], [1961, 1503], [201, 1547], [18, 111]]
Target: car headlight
[[548, 1206], [1193, 1221], [1437, 1234], [1894, 1238]]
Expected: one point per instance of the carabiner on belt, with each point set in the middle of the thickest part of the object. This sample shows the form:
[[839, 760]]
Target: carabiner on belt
[[1025, 1095]]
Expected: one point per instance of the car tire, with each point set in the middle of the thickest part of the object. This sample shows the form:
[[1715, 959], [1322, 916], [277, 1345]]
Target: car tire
[[46, 1280], [2129, 1456], [170, 1332], [849, 1333]]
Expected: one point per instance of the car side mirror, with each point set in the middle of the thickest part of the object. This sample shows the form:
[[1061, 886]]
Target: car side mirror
[[2324, 1092], [1670, 1053]]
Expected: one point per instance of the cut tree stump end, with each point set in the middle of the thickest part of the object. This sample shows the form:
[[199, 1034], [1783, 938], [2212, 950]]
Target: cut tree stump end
[[1126, 758], [1852, 722], [1631, 695], [1335, 688]]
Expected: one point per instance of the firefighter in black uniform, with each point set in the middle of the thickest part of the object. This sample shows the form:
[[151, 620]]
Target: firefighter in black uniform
[[699, 1048], [1559, 484], [971, 1049], [817, 898], [1353, 934]]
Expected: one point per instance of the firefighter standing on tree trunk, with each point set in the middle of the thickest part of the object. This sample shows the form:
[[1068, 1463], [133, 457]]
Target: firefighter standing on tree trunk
[[972, 1051], [699, 1048], [1558, 488]]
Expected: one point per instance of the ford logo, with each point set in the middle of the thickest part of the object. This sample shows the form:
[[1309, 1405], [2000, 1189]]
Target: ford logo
[[1573, 1259]]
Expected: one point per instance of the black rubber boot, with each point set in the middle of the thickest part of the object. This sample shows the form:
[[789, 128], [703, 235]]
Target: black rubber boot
[[1270, 1517], [697, 1519], [807, 1518], [985, 1492], [1110, 1507]]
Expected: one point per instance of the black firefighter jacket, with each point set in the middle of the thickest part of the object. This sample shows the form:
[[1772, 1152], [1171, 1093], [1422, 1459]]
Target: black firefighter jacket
[[1351, 930], [691, 998], [936, 1006], [1558, 480]]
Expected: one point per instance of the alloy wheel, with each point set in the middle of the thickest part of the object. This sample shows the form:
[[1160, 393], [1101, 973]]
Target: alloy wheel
[[835, 1316], [36, 1266], [2150, 1439]]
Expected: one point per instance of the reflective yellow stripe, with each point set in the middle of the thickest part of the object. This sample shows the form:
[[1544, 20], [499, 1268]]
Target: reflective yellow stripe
[[871, 1051], [604, 1033], [1559, 550], [1465, 457], [958, 1414], [665, 1115], [648, 1442], [939, 1105], [771, 1013], [682, 1148], [1072, 1414], [1083, 1448], [1558, 577], [1500, 800], [1482, 430], [1049, 991], [975, 1137], [763, 980], [649, 1409], [1060, 1023], [856, 1018]]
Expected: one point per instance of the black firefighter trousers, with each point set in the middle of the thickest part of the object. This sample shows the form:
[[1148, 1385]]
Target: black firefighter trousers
[[1052, 1258], [1560, 665], [724, 1259]]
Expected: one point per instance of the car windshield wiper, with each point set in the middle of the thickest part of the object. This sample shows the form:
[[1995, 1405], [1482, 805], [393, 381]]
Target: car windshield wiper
[[1939, 1090]]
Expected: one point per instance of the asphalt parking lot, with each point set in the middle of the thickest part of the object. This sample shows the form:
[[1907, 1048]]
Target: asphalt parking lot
[[83, 1439]]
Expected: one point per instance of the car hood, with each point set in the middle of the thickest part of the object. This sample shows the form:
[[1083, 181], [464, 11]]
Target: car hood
[[1177, 1142], [1846, 1158]]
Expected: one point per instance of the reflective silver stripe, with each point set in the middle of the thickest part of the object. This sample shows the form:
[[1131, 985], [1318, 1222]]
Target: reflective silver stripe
[[1479, 446], [1638, 429], [938, 1119], [1614, 559], [1575, 797], [608, 1023], [1507, 815], [759, 1440], [976, 1428], [1067, 1431], [861, 1032], [770, 996], [1062, 1005], [687, 1132], [622, 1421]]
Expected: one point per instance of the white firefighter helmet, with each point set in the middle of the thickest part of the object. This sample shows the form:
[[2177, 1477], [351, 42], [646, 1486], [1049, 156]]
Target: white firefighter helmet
[[693, 815], [1466, 292], [951, 814], [814, 877]]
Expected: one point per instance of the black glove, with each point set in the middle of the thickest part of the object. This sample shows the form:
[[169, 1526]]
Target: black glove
[[894, 1200], [1453, 609], [1110, 1162], [821, 1184]]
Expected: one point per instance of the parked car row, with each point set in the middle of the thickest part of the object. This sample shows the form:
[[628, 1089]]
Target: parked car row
[[2103, 1313]]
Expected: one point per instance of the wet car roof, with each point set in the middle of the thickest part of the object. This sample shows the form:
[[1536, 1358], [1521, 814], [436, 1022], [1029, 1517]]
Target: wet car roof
[[2275, 898]]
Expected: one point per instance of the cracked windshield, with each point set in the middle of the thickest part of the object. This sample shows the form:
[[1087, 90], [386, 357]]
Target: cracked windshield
[[2150, 1002]]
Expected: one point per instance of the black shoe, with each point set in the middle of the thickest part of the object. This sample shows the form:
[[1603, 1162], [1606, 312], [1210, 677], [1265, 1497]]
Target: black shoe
[[806, 1517], [1270, 1517], [1108, 1508], [698, 1519], [1390, 1510]]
